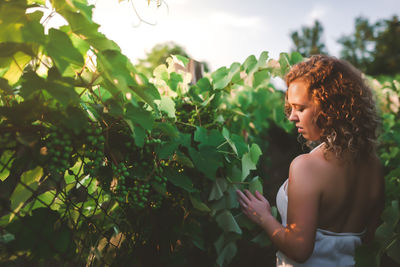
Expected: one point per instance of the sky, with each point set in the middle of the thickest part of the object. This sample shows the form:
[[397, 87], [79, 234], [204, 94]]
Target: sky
[[221, 32]]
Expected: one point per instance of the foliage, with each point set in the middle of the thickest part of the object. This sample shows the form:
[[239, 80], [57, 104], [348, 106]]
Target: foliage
[[102, 166], [357, 48], [387, 50], [373, 48], [158, 55], [387, 238], [123, 167], [308, 42]]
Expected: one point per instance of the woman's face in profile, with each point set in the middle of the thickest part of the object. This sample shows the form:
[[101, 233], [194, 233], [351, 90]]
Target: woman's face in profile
[[303, 110]]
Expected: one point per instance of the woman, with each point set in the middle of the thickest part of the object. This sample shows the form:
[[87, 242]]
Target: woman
[[334, 195]]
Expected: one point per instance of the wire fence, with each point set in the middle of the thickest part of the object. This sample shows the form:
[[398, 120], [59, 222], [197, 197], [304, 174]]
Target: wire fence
[[63, 218]]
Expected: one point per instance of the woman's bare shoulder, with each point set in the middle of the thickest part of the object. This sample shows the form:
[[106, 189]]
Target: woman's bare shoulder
[[310, 162], [307, 167]]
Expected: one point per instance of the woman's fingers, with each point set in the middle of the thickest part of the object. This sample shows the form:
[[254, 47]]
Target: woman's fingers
[[249, 195], [242, 204], [260, 197], [242, 197]]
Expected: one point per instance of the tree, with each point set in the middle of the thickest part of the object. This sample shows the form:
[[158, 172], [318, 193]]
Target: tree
[[158, 55], [373, 48], [358, 47], [308, 41], [387, 48]]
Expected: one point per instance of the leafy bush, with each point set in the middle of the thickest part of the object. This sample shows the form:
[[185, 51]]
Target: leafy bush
[[101, 165]]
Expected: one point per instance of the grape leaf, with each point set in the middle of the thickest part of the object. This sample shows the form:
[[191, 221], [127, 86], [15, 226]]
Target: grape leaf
[[226, 222], [217, 191], [256, 185], [62, 51], [227, 254], [140, 116], [198, 204], [180, 180], [206, 160]]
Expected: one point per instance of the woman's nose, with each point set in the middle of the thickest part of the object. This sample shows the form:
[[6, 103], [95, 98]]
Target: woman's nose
[[293, 116]]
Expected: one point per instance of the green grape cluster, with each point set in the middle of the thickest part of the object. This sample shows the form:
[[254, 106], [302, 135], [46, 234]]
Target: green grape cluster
[[162, 181], [94, 150], [192, 116], [140, 193], [160, 185], [59, 149], [121, 171]]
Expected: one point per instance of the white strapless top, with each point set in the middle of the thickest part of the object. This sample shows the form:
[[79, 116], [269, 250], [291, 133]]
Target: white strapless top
[[330, 249]]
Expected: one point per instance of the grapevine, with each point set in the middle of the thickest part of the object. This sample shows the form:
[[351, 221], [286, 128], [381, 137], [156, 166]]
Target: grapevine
[[59, 148], [94, 151], [143, 170]]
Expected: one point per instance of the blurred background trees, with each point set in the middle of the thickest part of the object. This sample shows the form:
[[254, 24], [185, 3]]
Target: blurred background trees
[[373, 48], [159, 54], [386, 55], [357, 47], [309, 41]]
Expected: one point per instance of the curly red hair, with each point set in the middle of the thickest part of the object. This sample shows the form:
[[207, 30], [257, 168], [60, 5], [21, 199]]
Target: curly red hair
[[347, 117]]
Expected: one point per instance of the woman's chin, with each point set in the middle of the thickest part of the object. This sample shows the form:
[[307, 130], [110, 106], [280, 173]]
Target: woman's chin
[[305, 135], [310, 138]]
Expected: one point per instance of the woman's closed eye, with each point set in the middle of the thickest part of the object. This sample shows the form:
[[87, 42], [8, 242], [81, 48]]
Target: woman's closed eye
[[300, 109]]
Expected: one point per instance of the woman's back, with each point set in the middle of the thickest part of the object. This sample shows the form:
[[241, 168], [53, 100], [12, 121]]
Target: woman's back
[[351, 193], [349, 196], [331, 203]]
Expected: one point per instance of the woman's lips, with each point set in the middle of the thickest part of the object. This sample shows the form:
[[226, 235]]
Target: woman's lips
[[300, 130]]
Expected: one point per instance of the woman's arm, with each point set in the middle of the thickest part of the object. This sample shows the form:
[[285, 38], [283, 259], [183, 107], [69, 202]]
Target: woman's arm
[[296, 240]]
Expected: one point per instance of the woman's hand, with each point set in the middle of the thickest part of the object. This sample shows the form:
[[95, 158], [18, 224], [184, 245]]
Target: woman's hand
[[256, 207]]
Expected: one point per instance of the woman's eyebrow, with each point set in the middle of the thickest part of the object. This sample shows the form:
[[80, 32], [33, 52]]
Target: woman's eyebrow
[[296, 104]]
